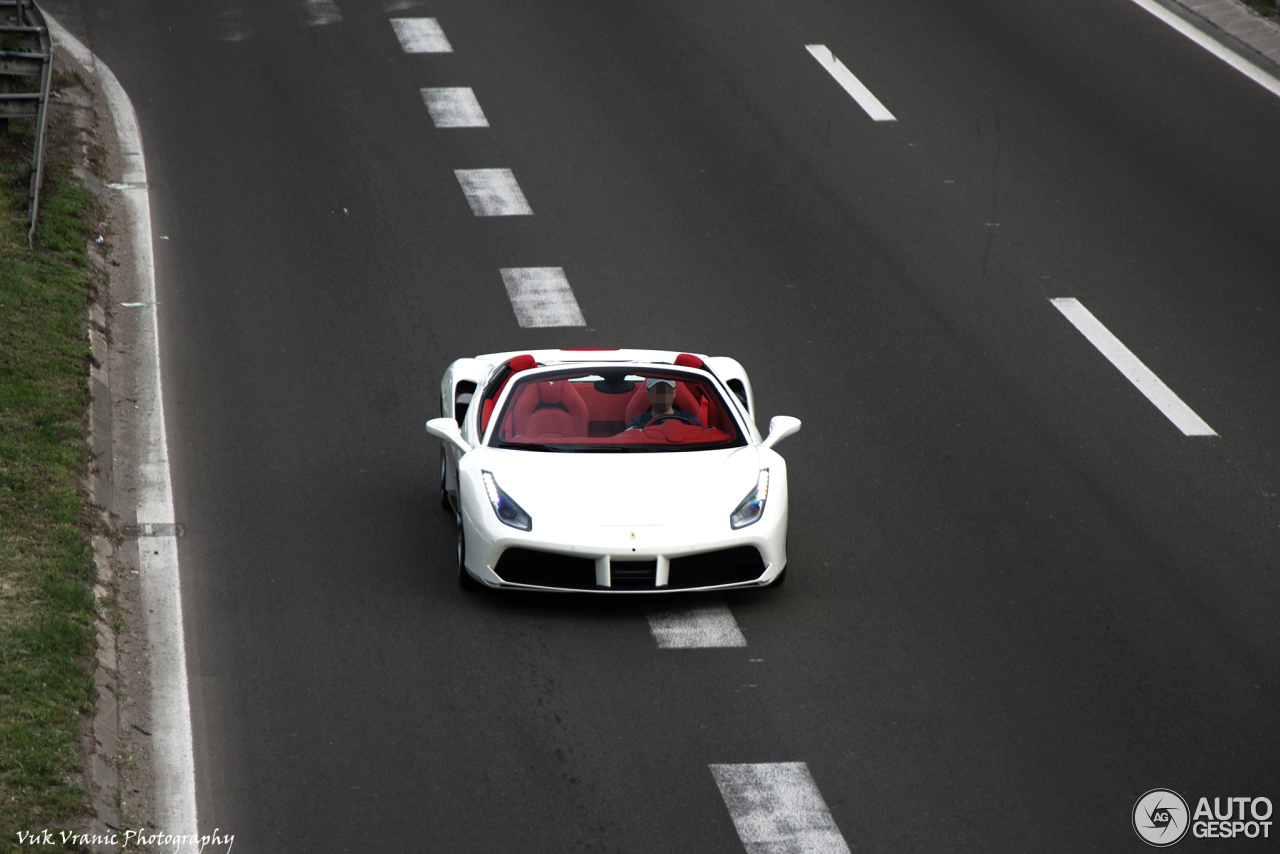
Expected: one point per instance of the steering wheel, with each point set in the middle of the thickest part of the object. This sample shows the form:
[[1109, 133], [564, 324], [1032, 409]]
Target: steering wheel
[[678, 416]]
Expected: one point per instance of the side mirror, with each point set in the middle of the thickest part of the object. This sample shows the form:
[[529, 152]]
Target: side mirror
[[780, 427], [447, 429]]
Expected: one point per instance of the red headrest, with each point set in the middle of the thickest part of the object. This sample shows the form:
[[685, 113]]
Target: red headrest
[[553, 392], [521, 363], [515, 364], [688, 360]]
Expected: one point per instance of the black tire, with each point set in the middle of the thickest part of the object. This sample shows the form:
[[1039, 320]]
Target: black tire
[[445, 502], [465, 581]]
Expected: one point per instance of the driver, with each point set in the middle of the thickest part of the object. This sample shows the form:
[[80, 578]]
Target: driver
[[662, 394]]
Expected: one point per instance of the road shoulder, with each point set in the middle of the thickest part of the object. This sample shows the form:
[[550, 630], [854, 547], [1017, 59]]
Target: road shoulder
[[124, 766], [1237, 26]]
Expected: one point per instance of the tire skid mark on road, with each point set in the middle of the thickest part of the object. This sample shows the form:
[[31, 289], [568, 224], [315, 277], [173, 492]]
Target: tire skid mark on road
[[776, 807], [708, 624]]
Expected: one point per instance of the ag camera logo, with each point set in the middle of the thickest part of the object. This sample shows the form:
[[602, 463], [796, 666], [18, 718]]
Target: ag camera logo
[[1160, 817]]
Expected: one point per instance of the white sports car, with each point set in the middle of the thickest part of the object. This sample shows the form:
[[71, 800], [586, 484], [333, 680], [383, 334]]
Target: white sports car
[[611, 471]]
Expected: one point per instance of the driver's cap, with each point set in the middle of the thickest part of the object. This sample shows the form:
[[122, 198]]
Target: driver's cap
[[653, 381]]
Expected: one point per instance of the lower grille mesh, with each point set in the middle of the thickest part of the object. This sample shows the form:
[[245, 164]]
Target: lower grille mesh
[[727, 566], [546, 569], [709, 569], [633, 574]]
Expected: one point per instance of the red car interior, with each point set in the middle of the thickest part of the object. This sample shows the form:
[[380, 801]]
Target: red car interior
[[549, 409], [684, 401], [592, 412], [514, 365]]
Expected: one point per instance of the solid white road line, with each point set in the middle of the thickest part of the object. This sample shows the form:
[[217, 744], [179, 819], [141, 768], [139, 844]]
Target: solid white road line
[[1215, 47], [454, 107], [318, 13], [777, 809], [493, 192], [708, 625], [541, 297], [174, 766], [851, 84], [421, 35], [1137, 373]]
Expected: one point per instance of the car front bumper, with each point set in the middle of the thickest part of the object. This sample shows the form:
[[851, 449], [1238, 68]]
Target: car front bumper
[[625, 559]]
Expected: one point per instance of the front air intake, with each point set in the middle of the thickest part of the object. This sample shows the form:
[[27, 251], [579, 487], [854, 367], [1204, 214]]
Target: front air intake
[[710, 569], [633, 574], [546, 569]]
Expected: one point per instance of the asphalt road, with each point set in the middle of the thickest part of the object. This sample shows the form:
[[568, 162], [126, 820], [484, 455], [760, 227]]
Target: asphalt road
[[1018, 596]]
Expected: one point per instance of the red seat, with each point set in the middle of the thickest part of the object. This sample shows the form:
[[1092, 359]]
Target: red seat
[[550, 408]]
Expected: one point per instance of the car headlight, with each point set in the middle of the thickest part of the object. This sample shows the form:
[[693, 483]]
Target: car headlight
[[752, 507], [509, 512]]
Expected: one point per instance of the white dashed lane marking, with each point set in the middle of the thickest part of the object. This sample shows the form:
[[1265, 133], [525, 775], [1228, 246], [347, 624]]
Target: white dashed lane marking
[[541, 297], [707, 625], [318, 13], [454, 107], [1131, 366], [851, 84], [421, 35], [777, 809], [493, 192]]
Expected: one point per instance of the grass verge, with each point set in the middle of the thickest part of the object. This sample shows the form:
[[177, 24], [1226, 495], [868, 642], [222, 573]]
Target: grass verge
[[1265, 8], [46, 566]]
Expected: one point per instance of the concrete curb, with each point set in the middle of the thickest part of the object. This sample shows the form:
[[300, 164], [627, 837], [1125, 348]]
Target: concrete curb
[[102, 770], [1238, 23], [155, 755], [116, 738]]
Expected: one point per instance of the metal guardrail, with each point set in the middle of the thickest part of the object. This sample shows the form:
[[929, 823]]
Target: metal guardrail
[[26, 51]]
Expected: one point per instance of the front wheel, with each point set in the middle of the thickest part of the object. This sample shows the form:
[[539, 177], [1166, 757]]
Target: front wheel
[[465, 581]]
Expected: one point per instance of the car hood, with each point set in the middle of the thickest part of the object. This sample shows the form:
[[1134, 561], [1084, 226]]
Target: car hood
[[625, 489]]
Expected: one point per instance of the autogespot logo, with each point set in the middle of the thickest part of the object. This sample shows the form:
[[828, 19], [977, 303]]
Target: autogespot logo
[[1160, 817]]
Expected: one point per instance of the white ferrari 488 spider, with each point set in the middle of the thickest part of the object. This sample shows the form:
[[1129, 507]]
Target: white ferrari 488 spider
[[636, 471]]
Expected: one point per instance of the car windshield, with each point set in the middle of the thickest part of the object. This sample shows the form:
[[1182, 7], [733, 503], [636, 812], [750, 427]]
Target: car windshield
[[618, 410]]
